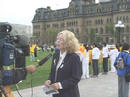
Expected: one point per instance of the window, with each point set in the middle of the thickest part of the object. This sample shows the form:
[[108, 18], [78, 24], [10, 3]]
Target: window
[[36, 27], [127, 29], [62, 25], [107, 39], [55, 25], [101, 30], [86, 30], [48, 26], [96, 30], [77, 31]]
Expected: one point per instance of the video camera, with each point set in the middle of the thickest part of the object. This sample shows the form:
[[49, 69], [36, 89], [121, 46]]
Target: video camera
[[13, 49]]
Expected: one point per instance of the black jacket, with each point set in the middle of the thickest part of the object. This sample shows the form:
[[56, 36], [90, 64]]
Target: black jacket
[[68, 74]]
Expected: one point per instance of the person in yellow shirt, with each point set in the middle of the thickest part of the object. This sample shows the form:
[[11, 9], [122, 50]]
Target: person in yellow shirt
[[85, 62], [32, 58], [52, 48], [90, 55]]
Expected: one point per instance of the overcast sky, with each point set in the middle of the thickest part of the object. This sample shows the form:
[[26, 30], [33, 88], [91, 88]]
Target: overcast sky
[[22, 11]]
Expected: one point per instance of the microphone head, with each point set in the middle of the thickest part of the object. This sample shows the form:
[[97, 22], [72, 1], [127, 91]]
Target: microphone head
[[44, 60]]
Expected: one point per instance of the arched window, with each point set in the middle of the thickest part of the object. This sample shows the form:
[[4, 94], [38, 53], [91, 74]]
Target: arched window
[[127, 29], [101, 30], [96, 30]]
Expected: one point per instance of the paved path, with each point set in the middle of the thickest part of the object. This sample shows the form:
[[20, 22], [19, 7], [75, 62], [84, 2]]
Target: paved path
[[103, 86]]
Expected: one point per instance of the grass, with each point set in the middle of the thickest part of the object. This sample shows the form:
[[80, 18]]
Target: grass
[[42, 73], [39, 76]]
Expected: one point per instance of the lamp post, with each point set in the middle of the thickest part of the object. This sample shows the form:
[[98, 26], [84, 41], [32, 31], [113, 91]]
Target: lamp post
[[119, 26]]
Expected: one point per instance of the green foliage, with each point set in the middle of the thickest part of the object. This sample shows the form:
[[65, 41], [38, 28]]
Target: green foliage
[[51, 34], [110, 28], [99, 39], [92, 35]]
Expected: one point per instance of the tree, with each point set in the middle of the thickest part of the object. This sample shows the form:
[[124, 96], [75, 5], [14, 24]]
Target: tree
[[99, 39], [92, 35], [110, 30], [50, 35]]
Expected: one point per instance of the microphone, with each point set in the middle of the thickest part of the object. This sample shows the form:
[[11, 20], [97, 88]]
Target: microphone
[[44, 60]]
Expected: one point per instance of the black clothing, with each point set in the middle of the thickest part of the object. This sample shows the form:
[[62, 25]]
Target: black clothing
[[68, 74], [105, 64], [95, 67]]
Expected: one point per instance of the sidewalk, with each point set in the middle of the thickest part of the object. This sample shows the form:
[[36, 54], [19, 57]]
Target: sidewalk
[[103, 86]]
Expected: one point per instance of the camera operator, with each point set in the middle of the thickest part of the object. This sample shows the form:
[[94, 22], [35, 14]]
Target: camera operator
[[13, 51]]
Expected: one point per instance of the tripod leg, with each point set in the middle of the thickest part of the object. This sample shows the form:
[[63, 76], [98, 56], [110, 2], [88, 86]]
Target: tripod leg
[[0, 94], [3, 91]]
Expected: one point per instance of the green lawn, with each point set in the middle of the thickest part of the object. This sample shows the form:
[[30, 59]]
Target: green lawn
[[41, 74]]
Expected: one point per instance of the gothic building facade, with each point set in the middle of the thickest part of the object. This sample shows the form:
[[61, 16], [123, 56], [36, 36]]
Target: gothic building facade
[[90, 21]]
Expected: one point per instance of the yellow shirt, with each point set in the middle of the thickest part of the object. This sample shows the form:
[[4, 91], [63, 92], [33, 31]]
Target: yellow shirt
[[31, 50], [90, 55], [82, 48]]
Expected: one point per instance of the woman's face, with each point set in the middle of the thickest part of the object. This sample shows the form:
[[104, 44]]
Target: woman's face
[[60, 42]]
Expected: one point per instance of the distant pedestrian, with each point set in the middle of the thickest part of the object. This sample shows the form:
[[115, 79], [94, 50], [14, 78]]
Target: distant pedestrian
[[35, 51], [95, 58], [105, 53], [90, 55], [85, 62], [113, 53], [32, 58]]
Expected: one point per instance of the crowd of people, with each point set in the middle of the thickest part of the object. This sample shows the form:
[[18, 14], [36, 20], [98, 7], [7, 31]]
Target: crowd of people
[[93, 54]]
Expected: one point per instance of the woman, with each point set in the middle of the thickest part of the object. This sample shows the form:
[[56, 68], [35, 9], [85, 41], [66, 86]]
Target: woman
[[85, 62], [113, 53], [66, 67], [123, 85]]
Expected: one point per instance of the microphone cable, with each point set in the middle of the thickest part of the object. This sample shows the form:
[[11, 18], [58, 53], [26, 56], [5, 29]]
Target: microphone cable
[[39, 64], [18, 90], [31, 88]]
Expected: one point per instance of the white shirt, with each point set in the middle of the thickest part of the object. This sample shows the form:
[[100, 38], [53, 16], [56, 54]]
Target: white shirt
[[105, 52], [113, 54], [61, 58], [95, 53]]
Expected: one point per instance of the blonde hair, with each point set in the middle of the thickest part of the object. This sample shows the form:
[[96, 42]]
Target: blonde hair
[[71, 43]]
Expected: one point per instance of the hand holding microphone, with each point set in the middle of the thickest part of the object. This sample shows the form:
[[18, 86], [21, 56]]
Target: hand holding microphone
[[32, 68]]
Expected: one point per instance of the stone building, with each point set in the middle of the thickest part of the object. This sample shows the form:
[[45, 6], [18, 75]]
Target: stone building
[[90, 21]]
